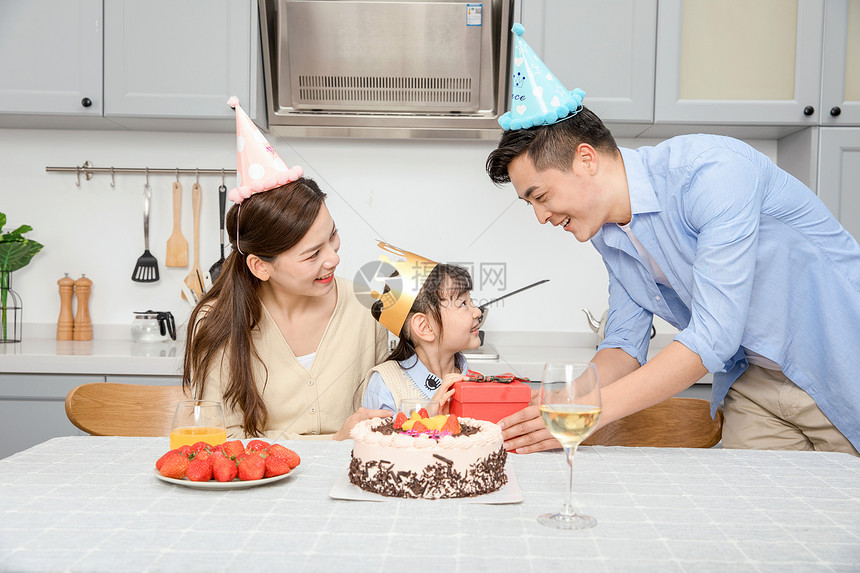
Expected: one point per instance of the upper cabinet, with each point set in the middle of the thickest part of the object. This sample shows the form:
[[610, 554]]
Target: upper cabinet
[[604, 48], [124, 63], [51, 60], [840, 82], [739, 62]]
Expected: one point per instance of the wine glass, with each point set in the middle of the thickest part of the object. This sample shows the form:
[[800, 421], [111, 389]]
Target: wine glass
[[570, 407], [198, 421]]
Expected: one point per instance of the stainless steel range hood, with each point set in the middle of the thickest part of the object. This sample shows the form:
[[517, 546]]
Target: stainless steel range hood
[[386, 68]]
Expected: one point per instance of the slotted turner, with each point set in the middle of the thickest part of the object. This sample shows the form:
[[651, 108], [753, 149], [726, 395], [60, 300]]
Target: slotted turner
[[146, 269]]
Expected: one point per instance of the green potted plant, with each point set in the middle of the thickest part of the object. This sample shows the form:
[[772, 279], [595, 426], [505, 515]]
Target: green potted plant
[[15, 253]]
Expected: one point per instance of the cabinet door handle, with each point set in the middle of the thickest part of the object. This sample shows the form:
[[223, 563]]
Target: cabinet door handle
[[86, 102], [835, 111], [808, 110]]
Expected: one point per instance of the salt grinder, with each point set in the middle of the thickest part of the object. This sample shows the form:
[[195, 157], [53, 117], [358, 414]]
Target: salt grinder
[[83, 327], [66, 321]]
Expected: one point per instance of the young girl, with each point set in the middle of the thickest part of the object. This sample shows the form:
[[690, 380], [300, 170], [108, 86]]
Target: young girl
[[442, 322]]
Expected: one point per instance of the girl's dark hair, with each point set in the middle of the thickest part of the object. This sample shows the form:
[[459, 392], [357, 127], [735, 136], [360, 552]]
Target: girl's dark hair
[[267, 224], [550, 146], [445, 282]]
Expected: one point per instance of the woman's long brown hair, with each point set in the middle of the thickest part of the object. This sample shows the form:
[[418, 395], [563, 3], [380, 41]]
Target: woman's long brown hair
[[267, 224]]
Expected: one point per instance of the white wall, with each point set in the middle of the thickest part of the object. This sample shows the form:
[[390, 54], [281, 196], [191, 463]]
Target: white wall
[[431, 197]]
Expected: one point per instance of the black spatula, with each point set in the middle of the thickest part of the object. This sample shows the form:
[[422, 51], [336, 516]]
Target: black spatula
[[215, 269], [146, 269]]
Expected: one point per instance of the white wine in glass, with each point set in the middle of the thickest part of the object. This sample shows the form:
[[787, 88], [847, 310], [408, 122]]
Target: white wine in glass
[[570, 407]]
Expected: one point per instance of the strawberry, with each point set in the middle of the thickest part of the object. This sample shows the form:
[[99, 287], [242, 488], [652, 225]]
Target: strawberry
[[202, 455], [233, 448], [398, 421], [423, 413], [223, 468], [251, 467], [256, 446], [160, 461], [200, 446], [199, 469], [185, 449], [286, 454], [174, 465], [419, 427], [276, 465], [451, 425]]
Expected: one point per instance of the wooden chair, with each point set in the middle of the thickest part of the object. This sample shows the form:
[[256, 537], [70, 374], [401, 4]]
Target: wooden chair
[[675, 423], [107, 409]]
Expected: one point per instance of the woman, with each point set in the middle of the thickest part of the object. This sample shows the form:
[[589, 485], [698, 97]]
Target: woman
[[281, 341]]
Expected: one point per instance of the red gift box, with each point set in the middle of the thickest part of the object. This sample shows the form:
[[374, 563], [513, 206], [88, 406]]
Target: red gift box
[[489, 401]]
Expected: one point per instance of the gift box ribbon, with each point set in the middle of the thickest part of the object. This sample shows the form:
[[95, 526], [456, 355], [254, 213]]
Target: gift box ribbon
[[506, 378]]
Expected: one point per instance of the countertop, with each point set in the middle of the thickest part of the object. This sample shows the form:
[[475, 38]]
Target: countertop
[[94, 504], [113, 352]]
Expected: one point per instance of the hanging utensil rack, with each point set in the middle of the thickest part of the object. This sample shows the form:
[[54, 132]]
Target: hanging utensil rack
[[88, 170]]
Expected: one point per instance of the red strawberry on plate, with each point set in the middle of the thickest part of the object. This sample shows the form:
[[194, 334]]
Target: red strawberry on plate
[[160, 461], [223, 468], [276, 466], [288, 455], [251, 466], [233, 448], [174, 464], [199, 469], [256, 445]]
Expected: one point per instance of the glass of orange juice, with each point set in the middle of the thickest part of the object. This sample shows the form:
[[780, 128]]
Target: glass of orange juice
[[198, 421]]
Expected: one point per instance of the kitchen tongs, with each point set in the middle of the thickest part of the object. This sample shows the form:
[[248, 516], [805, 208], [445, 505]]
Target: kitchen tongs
[[146, 269]]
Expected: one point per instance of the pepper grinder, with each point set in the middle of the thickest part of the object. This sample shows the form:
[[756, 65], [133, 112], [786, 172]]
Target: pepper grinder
[[83, 329], [66, 322]]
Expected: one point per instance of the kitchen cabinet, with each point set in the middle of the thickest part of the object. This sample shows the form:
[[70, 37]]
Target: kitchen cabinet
[[138, 65], [33, 409], [739, 62], [840, 82], [839, 174], [51, 62], [33, 406], [604, 48]]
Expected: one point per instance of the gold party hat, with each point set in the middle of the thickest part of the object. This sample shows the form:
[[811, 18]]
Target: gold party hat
[[403, 289]]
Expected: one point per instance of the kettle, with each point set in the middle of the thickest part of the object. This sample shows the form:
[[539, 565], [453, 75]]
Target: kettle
[[153, 326], [599, 326]]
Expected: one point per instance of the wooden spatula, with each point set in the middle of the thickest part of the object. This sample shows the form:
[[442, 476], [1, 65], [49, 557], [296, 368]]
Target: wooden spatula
[[177, 245], [194, 280]]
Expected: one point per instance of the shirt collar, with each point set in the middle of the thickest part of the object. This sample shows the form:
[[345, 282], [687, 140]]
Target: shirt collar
[[424, 380], [643, 197]]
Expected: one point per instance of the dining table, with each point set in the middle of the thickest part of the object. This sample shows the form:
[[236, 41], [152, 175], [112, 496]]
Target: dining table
[[92, 504]]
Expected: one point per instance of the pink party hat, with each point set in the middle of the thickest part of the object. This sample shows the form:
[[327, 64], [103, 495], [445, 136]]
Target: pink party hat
[[258, 166]]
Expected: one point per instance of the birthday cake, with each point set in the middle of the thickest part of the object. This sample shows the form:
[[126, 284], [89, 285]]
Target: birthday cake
[[430, 458]]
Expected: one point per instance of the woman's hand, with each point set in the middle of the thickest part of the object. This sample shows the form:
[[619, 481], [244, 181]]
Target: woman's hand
[[525, 432], [360, 415], [443, 394]]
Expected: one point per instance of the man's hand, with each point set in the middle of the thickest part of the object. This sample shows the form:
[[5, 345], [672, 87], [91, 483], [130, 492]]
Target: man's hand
[[525, 432], [362, 414]]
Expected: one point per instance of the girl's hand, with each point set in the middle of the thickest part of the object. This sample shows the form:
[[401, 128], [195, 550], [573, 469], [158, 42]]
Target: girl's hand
[[362, 414], [443, 394]]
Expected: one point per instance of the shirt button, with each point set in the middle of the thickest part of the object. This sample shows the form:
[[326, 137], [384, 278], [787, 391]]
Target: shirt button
[[657, 298], [313, 410], [310, 382], [314, 433]]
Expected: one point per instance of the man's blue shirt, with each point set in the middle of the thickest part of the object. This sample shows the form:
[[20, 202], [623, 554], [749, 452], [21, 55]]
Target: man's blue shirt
[[755, 261]]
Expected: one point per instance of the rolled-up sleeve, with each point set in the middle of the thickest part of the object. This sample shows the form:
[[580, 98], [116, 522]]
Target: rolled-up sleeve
[[722, 208]]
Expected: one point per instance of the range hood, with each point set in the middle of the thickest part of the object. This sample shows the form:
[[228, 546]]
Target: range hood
[[386, 68]]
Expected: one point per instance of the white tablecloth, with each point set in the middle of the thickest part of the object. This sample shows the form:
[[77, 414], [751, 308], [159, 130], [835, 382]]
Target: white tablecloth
[[93, 504]]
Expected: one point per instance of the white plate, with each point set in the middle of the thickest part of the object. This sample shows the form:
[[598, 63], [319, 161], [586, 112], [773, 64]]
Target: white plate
[[508, 493], [235, 484]]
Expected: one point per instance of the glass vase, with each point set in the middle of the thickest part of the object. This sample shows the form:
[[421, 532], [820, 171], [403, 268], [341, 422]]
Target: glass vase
[[11, 322]]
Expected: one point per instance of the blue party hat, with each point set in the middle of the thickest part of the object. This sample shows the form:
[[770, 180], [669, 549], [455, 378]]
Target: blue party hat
[[537, 96]]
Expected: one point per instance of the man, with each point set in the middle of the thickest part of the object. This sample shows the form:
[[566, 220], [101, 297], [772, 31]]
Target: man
[[709, 234]]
